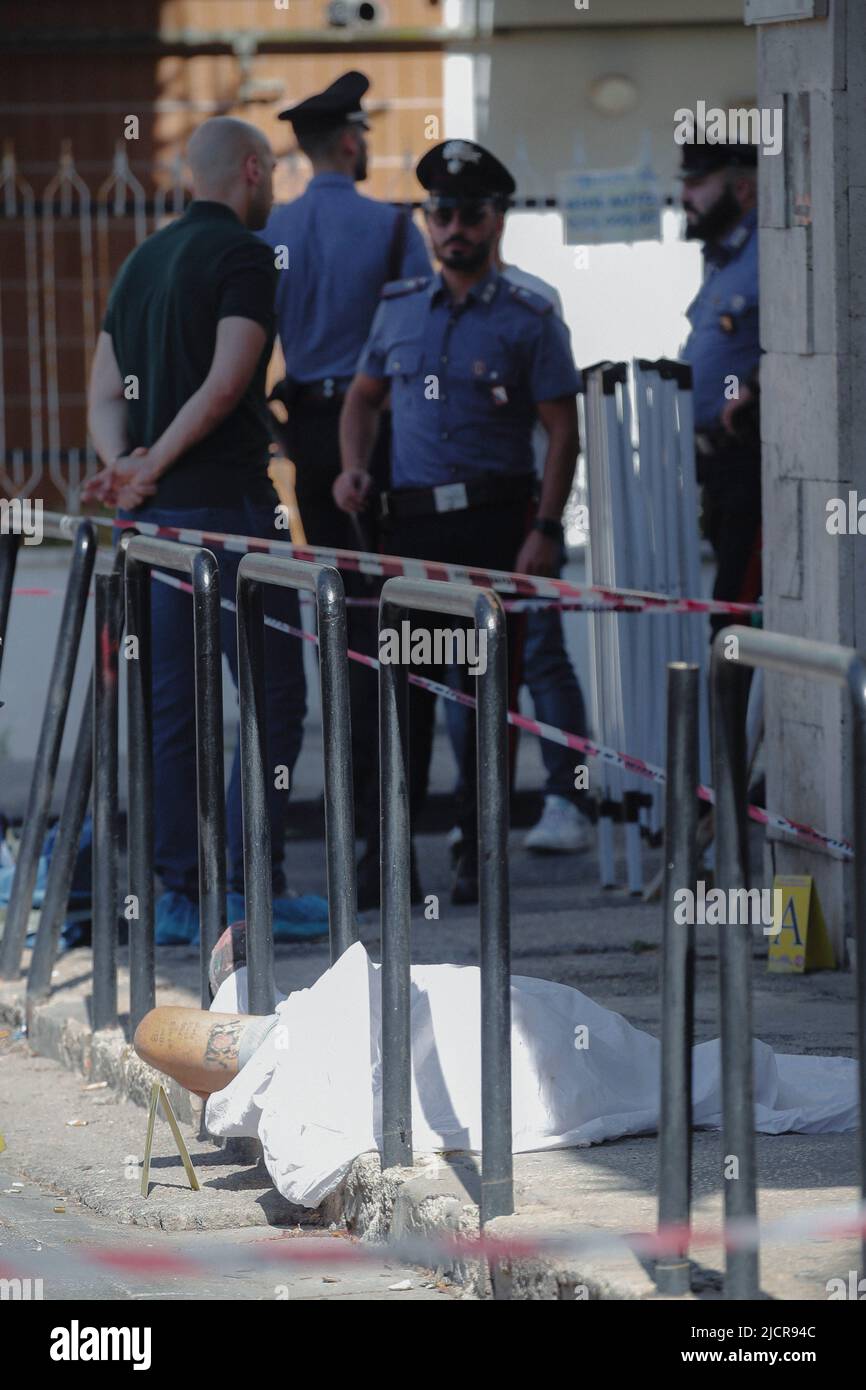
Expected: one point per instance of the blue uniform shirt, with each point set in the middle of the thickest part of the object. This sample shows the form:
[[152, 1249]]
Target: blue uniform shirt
[[724, 319], [465, 378], [338, 246]]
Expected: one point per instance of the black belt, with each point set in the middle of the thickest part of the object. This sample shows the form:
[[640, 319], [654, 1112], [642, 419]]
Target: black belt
[[330, 390], [456, 497]]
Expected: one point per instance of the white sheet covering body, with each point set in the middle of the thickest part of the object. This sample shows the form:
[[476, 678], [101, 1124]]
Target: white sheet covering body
[[580, 1074]]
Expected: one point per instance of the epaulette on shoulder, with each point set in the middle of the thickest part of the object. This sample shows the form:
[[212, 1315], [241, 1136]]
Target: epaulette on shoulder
[[395, 288], [530, 300]]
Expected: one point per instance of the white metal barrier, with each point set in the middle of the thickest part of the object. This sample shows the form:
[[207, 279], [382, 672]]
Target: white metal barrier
[[643, 534]]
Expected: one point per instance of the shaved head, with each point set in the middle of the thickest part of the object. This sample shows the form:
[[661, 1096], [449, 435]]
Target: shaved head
[[231, 162], [217, 151]]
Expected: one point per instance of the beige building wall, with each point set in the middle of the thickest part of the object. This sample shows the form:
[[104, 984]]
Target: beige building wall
[[666, 67], [813, 328]]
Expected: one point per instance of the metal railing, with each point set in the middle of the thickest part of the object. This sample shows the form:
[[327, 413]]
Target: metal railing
[[792, 656], [327, 586], [96, 755], [84, 545], [108, 627], [94, 763], [144, 553], [484, 608], [678, 970], [735, 650], [8, 556]]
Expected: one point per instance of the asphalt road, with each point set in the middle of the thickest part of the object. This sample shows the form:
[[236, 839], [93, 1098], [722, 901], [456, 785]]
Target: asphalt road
[[37, 1227]]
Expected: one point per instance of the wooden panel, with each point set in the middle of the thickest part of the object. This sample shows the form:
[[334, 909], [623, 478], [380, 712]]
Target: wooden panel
[[306, 15]]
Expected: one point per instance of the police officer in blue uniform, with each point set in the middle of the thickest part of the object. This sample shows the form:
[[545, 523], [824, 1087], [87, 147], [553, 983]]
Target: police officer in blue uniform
[[338, 250], [471, 362], [723, 350], [335, 249]]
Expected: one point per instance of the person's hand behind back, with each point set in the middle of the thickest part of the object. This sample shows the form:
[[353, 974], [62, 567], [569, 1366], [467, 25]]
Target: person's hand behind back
[[124, 483]]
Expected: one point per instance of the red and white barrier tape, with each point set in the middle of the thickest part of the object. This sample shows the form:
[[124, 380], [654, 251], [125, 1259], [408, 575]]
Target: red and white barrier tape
[[588, 597], [511, 605], [827, 1223], [627, 762]]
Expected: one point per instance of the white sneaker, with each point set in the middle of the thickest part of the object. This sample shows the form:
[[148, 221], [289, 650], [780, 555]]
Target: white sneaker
[[455, 843], [561, 830]]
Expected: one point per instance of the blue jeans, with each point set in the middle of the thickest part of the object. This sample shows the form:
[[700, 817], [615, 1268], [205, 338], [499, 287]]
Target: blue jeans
[[174, 770]]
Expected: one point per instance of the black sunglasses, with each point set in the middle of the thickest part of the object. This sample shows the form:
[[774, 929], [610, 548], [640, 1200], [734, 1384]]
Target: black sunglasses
[[469, 211]]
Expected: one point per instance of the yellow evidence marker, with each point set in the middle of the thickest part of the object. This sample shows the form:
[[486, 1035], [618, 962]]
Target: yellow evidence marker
[[802, 942]]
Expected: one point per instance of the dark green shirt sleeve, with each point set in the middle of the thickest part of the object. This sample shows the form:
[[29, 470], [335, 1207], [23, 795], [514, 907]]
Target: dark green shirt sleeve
[[247, 284]]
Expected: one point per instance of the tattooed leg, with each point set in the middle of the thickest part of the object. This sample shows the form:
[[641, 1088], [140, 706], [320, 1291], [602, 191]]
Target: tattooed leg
[[223, 1042], [199, 1049]]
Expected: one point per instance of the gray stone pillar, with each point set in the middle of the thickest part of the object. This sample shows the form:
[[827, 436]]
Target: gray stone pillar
[[813, 420]]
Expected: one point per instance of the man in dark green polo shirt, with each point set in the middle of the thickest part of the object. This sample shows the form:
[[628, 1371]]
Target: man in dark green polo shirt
[[178, 415]]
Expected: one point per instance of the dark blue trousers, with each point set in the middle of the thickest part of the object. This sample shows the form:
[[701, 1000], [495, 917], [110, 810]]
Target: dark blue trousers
[[174, 771]]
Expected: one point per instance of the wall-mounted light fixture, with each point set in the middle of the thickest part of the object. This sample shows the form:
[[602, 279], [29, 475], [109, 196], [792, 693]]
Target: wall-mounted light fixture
[[613, 94]]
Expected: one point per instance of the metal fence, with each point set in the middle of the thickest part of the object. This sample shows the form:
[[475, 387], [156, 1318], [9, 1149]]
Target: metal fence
[[82, 537], [484, 609], [643, 534], [253, 572], [735, 651], [96, 757], [678, 970], [63, 245], [144, 553], [792, 656]]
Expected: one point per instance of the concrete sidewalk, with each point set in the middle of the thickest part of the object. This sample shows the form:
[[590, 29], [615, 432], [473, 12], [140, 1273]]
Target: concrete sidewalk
[[564, 928]]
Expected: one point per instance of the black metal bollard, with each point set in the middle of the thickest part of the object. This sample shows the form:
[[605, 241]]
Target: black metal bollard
[[209, 759], [255, 571], [62, 866], [485, 609], [258, 895], [142, 956], [855, 679], [106, 817], [144, 553], [396, 911], [678, 971], [791, 656], [48, 750], [8, 556], [729, 698]]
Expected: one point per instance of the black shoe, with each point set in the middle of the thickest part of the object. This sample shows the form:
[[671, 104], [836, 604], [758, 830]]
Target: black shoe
[[369, 886], [465, 887]]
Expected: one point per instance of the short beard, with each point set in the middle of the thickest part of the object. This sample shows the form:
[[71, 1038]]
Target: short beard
[[468, 260], [712, 224], [257, 215]]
